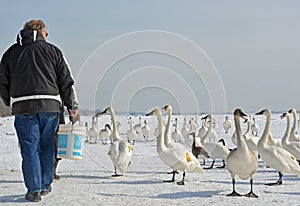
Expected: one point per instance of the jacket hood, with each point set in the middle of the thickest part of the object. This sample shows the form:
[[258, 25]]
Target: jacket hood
[[25, 37]]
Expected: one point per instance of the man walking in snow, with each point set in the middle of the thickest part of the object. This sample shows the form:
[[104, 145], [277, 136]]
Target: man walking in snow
[[34, 80]]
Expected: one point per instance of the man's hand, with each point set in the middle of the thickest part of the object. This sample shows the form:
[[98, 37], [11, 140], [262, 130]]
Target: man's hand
[[74, 116]]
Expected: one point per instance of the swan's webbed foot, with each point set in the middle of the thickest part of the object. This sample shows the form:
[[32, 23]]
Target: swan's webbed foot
[[279, 182], [116, 175], [169, 181], [223, 166], [234, 193], [211, 166], [180, 183], [251, 194]]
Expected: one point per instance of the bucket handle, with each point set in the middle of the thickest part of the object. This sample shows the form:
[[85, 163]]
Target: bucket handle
[[72, 128]]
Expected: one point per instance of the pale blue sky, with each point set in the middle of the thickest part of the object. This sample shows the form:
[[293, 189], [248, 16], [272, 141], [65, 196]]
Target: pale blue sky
[[253, 47]]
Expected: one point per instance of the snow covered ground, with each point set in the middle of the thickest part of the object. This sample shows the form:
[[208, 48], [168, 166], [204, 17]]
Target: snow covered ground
[[89, 181]]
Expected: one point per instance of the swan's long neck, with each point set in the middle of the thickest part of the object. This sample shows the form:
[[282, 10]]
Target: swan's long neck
[[160, 138], [114, 123], [286, 136], [210, 127], [131, 124], [167, 137], [248, 127], [295, 125], [208, 130], [238, 130], [265, 135], [176, 126]]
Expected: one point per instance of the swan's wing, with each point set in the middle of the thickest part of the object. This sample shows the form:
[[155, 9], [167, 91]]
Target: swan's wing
[[220, 151], [124, 148], [114, 151], [281, 159]]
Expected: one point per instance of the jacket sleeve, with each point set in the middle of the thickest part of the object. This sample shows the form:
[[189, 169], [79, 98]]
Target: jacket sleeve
[[66, 83], [5, 80]]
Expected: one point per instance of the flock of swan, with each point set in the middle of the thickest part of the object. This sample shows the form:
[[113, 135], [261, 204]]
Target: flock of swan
[[281, 154]]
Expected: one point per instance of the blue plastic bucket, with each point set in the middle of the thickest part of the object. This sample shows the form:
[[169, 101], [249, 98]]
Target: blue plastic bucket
[[70, 141]]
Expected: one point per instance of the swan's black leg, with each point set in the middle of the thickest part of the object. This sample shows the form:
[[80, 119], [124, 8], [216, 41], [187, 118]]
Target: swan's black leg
[[116, 175], [203, 163], [234, 193], [182, 181], [173, 177], [224, 165], [251, 194], [211, 166], [173, 171], [279, 181]]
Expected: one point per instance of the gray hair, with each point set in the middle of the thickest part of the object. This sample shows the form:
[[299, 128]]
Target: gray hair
[[35, 24]]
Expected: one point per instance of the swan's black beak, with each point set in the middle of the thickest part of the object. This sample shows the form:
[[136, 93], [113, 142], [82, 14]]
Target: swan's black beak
[[100, 113], [261, 112], [283, 115], [165, 108], [205, 117], [149, 114], [290, 111], [243, 115]]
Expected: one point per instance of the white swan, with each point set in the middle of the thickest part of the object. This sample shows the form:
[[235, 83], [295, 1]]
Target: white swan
[[254, 127], [211, 135], [193, 125], [293, 135], [93, 132], [203, 129], [292, 147], [137, 127], [184, 131], [145, 130], [167, 134], [277, 157], [196, 121], [216, 150], [226, 124], [120, 151], [105, 133], [274, 141], [176, 135], [241, 161], [220, 151], [176, 158], [189, 138], [131, 133], [251, 140]]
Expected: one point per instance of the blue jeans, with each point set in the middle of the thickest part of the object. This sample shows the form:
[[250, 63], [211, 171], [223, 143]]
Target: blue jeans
[[36, 136]]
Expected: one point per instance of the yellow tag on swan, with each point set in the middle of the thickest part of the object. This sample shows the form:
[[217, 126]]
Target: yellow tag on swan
[[130, 148], [188, 158], [109, 152]]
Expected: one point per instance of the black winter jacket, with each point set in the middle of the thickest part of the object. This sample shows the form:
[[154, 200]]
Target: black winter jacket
[[35, 77]]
